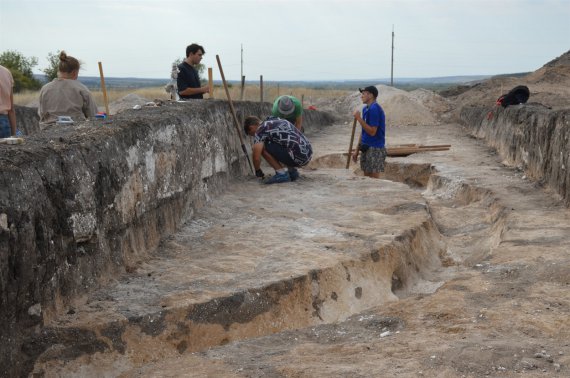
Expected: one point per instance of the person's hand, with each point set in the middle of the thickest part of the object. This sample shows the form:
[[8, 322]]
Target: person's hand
[[356, 114], [259, 173], [354, 157]]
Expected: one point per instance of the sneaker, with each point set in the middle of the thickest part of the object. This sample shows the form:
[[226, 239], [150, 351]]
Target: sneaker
[[278, 178], [293, 174]]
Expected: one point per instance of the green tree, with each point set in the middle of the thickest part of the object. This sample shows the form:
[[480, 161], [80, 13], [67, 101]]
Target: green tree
[[21, 69], [53, 67], [199, 67]]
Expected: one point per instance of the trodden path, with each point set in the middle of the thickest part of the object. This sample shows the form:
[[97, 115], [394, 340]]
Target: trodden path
[[455, 266]]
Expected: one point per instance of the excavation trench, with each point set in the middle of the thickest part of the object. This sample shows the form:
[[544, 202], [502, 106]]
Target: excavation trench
[[249, 265]]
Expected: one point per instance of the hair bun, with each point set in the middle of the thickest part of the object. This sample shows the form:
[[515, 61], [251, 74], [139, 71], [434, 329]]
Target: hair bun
[[62, 56]]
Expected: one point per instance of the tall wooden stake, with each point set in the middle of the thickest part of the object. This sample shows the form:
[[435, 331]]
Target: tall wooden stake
[[233, 112], [210, 82], [104, 89], [350, 145]]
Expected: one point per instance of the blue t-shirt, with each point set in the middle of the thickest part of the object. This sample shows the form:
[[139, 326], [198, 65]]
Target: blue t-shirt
[[374, 116]]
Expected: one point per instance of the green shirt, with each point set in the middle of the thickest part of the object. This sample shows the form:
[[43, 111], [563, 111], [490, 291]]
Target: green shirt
[[290, 117]]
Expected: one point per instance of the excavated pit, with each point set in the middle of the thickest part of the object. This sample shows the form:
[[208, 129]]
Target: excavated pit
[[217, 281]]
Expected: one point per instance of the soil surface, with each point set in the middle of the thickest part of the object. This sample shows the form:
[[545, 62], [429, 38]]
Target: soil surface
[[498, 304]]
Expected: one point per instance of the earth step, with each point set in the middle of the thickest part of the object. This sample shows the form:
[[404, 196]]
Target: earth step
[[258, 260]]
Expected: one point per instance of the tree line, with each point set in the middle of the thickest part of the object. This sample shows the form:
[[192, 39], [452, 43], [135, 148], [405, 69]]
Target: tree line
[[21, 68]]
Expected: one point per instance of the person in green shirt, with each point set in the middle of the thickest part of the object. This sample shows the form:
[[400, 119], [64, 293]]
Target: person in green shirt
[[289, 108]]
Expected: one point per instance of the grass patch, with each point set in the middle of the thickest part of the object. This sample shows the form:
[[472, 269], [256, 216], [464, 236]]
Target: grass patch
[[250, 93]]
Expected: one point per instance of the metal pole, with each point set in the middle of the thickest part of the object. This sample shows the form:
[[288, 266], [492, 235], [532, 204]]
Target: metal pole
[[260, 88], [392, 69]]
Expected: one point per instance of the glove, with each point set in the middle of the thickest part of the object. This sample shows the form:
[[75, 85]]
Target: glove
[[259, 173]]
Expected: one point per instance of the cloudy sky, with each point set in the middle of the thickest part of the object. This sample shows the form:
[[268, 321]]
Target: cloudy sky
[[292, 39]]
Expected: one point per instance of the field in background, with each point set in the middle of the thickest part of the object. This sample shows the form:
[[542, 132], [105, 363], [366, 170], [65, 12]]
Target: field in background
[[250, 93]]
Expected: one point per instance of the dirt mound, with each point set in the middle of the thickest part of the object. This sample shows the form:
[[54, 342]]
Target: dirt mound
[[548, 85], [127, 102], [562, 60], [419, 107]]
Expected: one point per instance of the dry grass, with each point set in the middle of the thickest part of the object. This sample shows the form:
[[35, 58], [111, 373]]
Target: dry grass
[[251, 93]]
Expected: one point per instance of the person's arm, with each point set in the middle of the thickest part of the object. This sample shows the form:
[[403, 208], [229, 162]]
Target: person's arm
[[370, 130], [192, 91], [12, 114], [299, 123], [256, 151]]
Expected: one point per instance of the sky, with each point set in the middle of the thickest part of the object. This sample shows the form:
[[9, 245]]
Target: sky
[[292, 39]]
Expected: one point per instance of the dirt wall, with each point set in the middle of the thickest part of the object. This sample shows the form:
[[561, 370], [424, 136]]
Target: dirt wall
[[529, 136], [27, 120], [82, 204]]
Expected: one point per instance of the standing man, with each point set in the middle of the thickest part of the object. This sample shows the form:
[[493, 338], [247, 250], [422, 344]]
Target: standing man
[[373, 134], [280, 143], [188, 81], [289, 108], [7, 111]]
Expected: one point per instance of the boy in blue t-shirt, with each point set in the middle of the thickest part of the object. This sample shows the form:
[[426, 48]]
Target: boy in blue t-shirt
[[373, 135]]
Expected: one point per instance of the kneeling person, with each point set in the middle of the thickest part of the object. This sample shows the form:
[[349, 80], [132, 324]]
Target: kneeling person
[[281, 144]]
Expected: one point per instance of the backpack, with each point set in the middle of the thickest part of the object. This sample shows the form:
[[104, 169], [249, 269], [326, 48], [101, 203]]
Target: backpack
[[517, 95]]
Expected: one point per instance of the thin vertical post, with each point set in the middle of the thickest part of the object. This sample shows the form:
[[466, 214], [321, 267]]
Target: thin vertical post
[[260, 88], [392, 68], [104, 89], [242, 87], [210, 82]]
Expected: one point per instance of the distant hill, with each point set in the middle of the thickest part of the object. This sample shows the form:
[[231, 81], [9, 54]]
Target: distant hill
[[435, 83], [94, 82]]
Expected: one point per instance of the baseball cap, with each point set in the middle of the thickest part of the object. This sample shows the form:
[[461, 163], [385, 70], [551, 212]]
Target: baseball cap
[[286, 105], [372, 89]]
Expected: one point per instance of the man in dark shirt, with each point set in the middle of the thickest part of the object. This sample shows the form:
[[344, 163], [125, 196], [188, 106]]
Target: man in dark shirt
[[188, 81]]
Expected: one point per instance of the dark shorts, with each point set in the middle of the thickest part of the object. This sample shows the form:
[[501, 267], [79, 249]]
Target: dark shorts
[[372, 161], [5, 130], [280, 154]]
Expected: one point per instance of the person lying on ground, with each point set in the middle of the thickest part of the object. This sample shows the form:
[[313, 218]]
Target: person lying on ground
[[65, 95], [289, 108], [281, 144], [373, 134]]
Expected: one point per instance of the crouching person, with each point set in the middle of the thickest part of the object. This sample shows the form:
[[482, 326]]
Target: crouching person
[[281, 144]]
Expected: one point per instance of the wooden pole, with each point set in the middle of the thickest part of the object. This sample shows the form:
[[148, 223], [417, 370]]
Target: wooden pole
[[350, 145], [233, 112], [260, 88], [104, 89], [210, 82]]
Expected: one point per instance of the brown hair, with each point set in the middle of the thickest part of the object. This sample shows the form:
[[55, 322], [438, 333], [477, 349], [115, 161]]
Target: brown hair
[[67, 64], [250, 121]]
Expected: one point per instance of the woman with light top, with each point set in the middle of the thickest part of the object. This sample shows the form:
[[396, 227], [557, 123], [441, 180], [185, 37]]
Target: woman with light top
[[65, 95]]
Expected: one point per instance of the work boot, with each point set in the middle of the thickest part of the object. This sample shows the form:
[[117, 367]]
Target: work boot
[[293, 174], [278, 178]]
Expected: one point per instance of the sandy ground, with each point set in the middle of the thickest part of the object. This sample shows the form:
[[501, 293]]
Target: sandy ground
[[501, 306]]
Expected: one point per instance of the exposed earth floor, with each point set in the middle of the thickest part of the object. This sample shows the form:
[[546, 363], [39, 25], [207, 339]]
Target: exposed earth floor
[[453, 264]]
